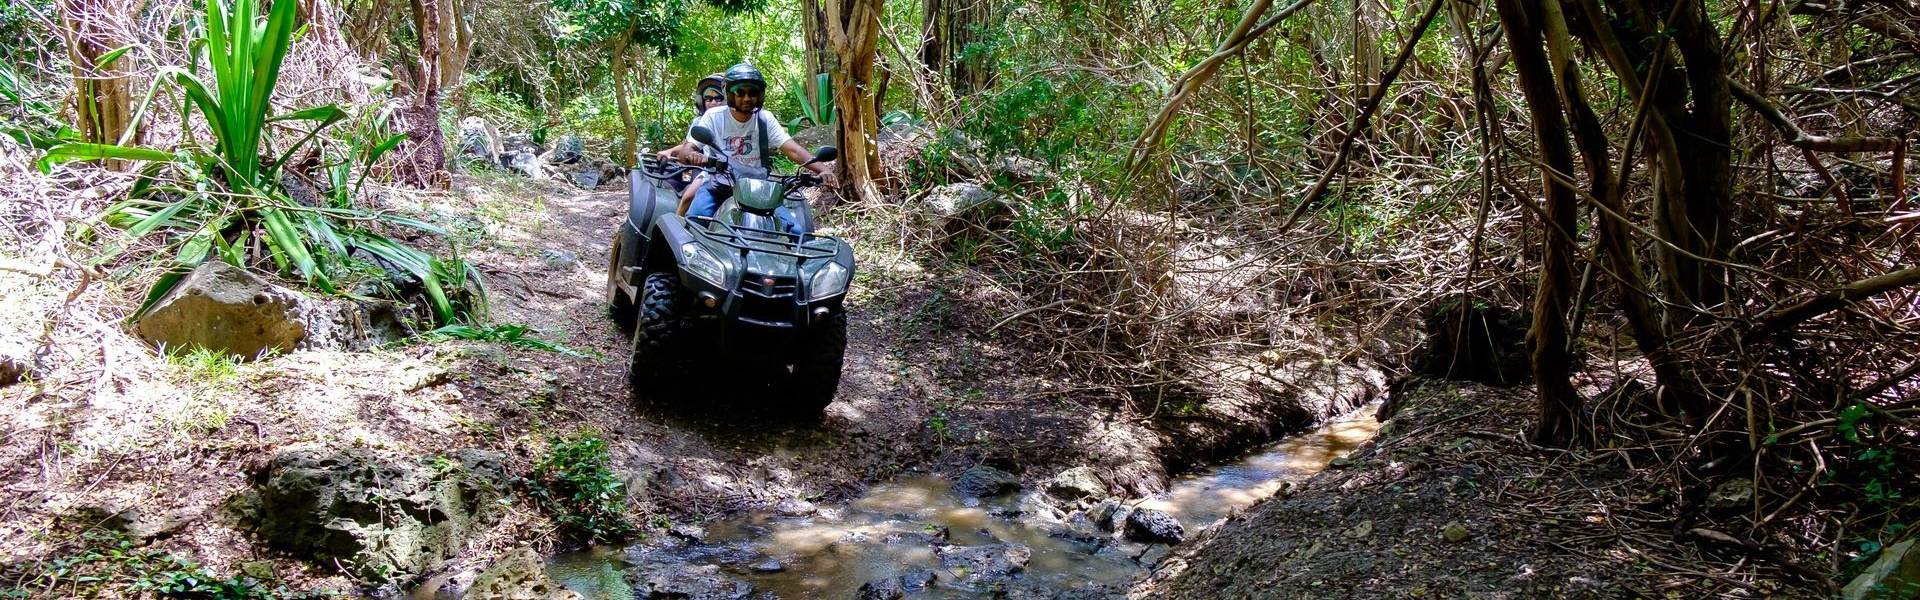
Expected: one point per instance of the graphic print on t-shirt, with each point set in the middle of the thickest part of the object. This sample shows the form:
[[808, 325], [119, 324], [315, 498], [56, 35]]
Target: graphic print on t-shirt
[[739, 140]]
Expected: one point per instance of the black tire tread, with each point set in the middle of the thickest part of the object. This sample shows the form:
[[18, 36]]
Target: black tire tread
[[657, 333], [816, 372]]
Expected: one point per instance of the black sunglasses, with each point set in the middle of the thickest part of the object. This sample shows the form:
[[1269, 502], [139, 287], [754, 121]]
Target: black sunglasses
[[712, 98]]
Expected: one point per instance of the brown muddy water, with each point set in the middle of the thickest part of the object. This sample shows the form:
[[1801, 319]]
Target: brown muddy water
[[942, 545]]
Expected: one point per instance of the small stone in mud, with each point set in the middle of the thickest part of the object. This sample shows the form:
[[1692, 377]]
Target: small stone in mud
[[1455, 532], [769, 566], [985, 482], [1154, 526], [558, 259], [794, 507], [1364, 529], [918, 579], [881, 589]]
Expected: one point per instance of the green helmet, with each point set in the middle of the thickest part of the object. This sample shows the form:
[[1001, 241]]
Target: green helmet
[[744, 73]]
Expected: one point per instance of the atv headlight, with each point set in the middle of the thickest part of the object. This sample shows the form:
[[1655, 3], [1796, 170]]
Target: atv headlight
[[703, 264], [829, 280]]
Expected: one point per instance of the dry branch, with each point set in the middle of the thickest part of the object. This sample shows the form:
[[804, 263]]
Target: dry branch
[[1836, 299], [1319, 188], [1800, 138]]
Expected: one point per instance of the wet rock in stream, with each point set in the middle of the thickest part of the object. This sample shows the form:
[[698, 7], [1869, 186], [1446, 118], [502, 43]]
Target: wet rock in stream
[[675, 579], [985, 482], [1154, 526], [984, 566], [883, 589]]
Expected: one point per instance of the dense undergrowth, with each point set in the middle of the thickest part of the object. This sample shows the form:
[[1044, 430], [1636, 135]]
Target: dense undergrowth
[[1297, 195]]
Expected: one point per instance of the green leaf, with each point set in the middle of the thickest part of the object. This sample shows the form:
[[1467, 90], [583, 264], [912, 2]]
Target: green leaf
[[107, 60], [326, 115], [72, 151]]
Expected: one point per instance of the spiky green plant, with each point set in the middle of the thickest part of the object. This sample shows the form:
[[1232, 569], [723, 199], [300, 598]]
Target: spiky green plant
[[815, 110], [235, 192]]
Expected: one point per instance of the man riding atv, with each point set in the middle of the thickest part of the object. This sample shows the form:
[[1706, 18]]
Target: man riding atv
[[738, 283], [744, 131]]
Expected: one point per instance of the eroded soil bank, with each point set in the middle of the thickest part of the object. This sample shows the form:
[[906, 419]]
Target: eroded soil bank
[[168, 446], [1451, 502]]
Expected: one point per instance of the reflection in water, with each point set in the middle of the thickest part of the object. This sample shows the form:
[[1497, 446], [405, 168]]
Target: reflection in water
[[896, 528], [1204, 497]]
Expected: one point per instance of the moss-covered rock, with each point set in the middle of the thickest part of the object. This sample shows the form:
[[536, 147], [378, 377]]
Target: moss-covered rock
[[383, 518]]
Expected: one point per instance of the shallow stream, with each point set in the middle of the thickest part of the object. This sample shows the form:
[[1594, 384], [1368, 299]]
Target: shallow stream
[[933, 543]]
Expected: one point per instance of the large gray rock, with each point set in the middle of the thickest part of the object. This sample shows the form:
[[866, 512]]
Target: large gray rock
[[225, 308], [479, 141], [985, 482], [527, 163], [587, 177], [383, 518], [568, 150], [1077, 483], [1154, 526], [520, 575], [1896, 574], [951, 206]]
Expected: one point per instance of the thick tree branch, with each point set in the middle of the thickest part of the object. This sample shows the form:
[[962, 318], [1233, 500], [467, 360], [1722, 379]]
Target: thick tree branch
[[1800, 138], [1835, 299]]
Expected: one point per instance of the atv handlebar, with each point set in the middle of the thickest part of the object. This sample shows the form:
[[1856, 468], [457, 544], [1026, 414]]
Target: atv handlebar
[[665, 169]]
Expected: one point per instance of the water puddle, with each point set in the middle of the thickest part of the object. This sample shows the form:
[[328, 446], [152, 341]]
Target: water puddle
[[920, 535]]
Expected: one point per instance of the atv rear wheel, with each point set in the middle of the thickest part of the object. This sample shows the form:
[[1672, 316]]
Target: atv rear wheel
[[618, 304], [659, 336], [816, 371]]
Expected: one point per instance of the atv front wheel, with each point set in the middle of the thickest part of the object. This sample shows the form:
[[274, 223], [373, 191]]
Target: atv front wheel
[[659, 336], [618, 304], [816, 371]]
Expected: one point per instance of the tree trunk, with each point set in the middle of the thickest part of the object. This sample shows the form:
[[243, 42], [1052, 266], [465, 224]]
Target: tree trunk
[[819, 55], [103, 97], [947, 28], [456, 43], [1559, 408], [853, 28], [426, 152], [630, 133]]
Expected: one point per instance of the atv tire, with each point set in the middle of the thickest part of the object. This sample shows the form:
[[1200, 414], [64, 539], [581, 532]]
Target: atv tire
[[659, 336], [619, 306], [816, 371]]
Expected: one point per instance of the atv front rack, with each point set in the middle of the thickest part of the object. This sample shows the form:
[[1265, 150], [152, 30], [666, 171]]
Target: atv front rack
[[740, 237]]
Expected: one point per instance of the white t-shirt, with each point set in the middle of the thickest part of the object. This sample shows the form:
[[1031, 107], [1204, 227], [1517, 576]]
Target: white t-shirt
[[740, 141]]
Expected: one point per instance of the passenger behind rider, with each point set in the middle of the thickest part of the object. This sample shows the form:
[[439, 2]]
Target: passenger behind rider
[[707, 95], [738, 127]]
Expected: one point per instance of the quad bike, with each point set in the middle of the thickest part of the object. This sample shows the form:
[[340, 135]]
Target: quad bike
[[734, 292]]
